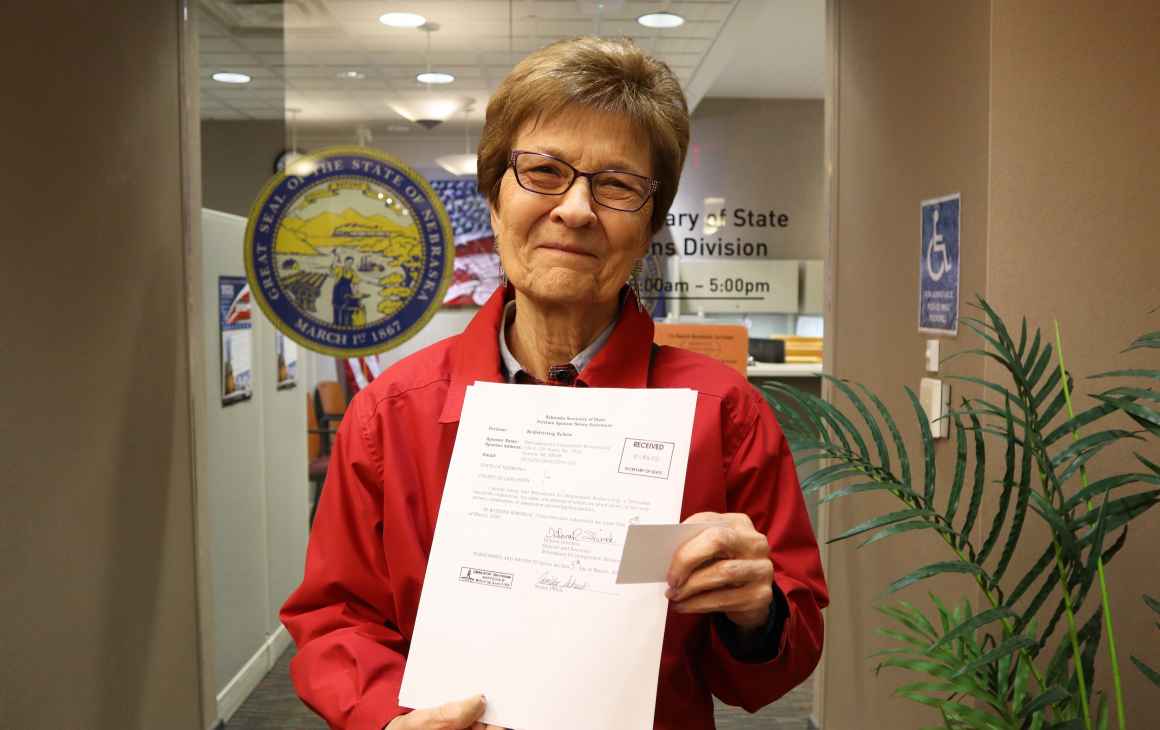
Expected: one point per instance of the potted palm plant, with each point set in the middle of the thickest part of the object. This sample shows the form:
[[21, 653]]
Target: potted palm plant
[[1001, 664]]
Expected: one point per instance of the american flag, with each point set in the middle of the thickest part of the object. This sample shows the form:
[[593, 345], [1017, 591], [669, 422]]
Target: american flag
[[476, 261], [239, 310]]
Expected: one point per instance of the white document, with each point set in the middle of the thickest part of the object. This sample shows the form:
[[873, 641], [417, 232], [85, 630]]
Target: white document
[[520, 600]]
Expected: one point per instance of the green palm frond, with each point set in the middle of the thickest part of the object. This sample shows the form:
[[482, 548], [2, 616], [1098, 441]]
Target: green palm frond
[[1046, 447], [1147, 670], [974, 682], [1150, 340]]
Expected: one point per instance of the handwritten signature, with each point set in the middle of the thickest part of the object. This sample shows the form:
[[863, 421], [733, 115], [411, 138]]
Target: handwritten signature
[[549, 582], [581, 534]]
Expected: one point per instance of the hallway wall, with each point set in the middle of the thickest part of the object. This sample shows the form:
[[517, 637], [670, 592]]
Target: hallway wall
[[757, 154], [1075, 100], [912, 125], [1042, 115], [99, 596], [237, 158], [253, 483]]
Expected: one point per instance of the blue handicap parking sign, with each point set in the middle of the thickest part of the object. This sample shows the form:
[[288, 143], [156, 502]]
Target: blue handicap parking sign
[[938, 266]]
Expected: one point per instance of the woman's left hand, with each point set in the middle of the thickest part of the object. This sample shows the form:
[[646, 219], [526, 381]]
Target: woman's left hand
[[724, 569]]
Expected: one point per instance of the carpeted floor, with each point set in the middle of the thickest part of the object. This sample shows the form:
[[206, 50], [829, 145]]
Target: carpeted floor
[[274, 705]]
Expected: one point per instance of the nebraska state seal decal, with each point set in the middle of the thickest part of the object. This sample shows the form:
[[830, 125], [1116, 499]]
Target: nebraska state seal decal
[[349, 251]]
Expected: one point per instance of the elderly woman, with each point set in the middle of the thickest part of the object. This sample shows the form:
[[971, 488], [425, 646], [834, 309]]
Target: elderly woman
[[580, 157]]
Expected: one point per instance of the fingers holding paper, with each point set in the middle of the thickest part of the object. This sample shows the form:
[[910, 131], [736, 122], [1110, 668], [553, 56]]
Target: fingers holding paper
[[724, 569], [460, 715]]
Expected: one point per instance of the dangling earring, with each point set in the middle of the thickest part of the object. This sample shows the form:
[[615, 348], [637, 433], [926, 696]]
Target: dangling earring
[[634, 283], [499, 261]]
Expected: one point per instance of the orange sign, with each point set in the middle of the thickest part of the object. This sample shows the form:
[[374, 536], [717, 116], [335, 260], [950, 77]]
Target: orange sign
[[728, 343]]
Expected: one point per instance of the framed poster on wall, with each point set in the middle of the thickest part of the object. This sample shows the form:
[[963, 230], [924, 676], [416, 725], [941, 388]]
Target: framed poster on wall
[[285, 353], [237, 329], [286, 365]]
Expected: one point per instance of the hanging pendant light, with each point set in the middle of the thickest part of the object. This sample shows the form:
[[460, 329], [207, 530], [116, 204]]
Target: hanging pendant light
[[432, 77], [428, 109], [292, 160]]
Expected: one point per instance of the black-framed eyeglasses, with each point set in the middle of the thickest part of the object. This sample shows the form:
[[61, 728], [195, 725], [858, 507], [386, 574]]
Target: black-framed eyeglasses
[[547, 175]]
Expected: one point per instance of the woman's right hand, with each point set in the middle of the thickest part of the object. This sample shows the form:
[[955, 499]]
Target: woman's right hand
[[461, 715]]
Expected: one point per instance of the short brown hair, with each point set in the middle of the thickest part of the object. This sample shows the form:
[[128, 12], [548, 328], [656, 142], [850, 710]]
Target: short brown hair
[[608, 75]]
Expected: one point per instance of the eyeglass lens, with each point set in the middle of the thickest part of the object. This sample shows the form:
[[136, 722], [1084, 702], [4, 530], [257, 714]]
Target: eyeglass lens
[[549, 176]]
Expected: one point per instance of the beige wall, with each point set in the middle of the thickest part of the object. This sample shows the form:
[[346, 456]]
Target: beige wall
[[237, 158], [1042, 115], [912, 125], [99, 600], [758, 154], [1075, 103]]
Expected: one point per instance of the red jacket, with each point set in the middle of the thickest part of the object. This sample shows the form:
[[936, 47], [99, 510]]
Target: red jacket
[[353, 615]]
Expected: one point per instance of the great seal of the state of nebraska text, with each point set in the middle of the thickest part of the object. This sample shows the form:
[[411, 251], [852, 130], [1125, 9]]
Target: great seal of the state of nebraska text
[[349, 251]]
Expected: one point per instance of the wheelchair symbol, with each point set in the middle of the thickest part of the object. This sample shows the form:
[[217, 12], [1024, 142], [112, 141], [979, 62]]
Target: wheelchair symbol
[[935, 244]]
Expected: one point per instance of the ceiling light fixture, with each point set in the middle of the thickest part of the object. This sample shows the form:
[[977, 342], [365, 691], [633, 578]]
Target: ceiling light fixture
[[286, 161], [231, 77], [351, 75], [402, 20], [431, 77], [434, 77], [661, 20], [426, 109], [302, 166]]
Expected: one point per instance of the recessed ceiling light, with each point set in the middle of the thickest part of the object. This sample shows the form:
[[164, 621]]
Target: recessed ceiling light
[[434, 77], [230, 77], [661, 20], [402, 20], [352, 75]]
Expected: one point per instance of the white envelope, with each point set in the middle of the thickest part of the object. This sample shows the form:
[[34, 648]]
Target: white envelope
[[649, 550]]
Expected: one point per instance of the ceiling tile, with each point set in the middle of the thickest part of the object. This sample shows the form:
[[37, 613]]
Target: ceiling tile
[[226, 114], [209, 44], [229, 59], [323, 38], [262, 45]]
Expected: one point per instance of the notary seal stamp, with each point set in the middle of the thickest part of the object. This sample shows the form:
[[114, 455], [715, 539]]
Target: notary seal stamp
[[349, 251], [482, 577]]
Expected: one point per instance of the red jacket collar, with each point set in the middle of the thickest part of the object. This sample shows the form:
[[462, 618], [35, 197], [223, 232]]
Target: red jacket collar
[[623, 362]]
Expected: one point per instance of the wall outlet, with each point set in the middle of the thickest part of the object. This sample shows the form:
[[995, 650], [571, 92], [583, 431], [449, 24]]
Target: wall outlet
[[935, 397], [932, 356]]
